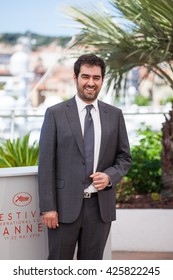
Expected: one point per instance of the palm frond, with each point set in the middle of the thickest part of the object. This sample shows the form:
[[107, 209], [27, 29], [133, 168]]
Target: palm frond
[[145, 37], [18, 152]]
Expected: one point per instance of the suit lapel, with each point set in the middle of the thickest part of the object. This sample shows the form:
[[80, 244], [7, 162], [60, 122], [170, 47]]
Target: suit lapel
[[73, 118], [105, 126]]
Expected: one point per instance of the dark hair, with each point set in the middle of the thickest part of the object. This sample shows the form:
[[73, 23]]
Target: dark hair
[[90, 59]]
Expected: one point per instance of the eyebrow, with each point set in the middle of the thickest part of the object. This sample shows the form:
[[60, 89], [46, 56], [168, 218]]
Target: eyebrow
[[87, 75]]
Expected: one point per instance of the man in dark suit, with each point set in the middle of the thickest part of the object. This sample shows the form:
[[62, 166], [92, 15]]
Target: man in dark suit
[[84, 153]]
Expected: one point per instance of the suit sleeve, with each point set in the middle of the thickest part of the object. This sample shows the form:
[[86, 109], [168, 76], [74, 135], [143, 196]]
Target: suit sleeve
[[46, 166], [122, 157]]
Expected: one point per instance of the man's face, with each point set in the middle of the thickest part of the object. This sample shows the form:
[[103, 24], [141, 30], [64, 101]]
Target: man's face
[[89, 82]]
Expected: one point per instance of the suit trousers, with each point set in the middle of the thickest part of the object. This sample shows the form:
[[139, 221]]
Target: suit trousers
[[88, 232]]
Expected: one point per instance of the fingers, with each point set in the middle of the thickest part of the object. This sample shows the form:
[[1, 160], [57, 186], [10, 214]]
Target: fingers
[[100, 180], [50, 219]]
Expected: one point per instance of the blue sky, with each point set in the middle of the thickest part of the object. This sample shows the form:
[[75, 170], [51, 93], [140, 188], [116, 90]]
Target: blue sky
[[39, 16]]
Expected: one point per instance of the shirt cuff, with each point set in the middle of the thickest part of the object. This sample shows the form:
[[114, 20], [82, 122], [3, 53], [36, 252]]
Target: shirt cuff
[[110, 183]]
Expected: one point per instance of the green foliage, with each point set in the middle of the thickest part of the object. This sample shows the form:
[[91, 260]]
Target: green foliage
[[2, 86], [10, 38], [144, 176], [125, 190], [40, 40], [169, 99], [18, 152], [141, 100], [128, 34], [145, 171]]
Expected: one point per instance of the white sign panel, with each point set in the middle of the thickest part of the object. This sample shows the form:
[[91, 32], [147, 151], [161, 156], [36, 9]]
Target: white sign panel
[[22, 235]]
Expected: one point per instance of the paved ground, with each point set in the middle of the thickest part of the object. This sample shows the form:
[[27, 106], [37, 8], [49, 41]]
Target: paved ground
[[142, 255]]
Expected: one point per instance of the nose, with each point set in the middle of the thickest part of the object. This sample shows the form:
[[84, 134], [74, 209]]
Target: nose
[[90, 81]]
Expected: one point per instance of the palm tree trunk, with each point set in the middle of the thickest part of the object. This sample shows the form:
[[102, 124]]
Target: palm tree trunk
[[167, 154]]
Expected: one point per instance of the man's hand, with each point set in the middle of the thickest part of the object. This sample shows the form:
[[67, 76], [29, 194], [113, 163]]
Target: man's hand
[[100, 180], [50, 219]]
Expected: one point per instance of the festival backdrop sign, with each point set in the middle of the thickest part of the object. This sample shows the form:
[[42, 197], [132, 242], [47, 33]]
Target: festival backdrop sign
[[22, 234]]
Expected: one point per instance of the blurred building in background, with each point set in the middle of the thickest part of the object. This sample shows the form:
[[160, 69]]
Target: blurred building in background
[[34, 77]]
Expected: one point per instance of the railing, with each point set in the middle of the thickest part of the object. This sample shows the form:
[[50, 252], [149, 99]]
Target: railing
[[17, 122]]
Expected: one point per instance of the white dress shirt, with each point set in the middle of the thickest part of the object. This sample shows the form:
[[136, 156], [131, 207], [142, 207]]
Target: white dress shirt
[[97, 131]]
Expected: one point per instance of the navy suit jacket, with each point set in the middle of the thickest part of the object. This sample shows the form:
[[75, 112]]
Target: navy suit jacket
[[61, 171]]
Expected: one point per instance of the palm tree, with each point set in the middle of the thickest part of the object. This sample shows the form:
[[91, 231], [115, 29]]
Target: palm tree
[[133, 33]]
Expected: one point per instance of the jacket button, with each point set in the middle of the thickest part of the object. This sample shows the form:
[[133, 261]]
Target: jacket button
[[83, 162]]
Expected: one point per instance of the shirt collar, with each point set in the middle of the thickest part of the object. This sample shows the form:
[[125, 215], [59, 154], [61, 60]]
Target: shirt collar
[[81, 104]]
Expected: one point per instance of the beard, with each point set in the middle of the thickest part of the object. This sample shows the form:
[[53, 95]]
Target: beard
[[88, 94]]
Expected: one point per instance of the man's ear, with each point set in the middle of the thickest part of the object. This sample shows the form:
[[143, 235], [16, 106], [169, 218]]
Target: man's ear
[[74, 77]]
